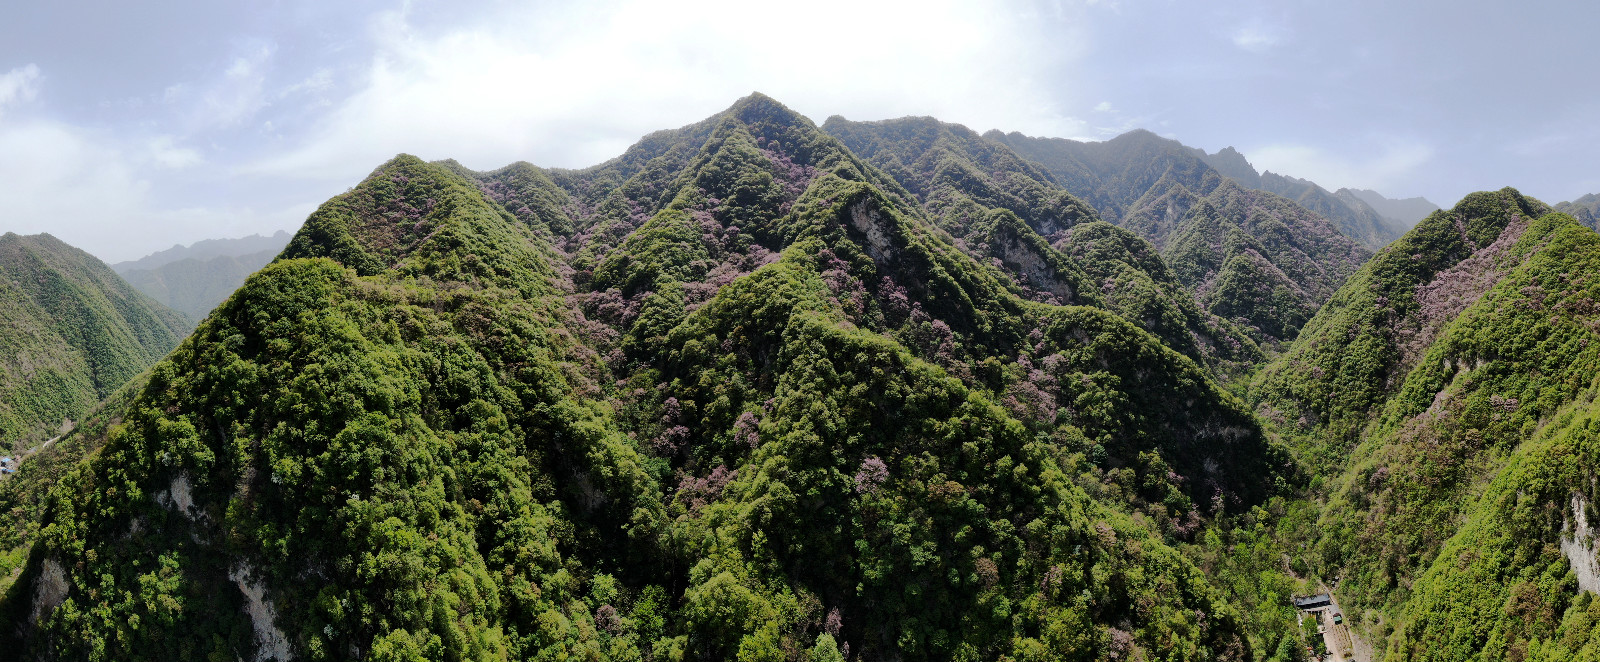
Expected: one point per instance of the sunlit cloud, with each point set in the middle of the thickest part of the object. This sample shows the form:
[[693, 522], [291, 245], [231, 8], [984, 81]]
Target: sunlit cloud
[[524, 84], [291, 102], [18, 86], [93, 188]]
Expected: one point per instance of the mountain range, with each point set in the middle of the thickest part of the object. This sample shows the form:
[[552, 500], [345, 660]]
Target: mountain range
[[1362, 214], [205, 250], [194, 279], [1252, 257], [71, 332], [760, 389]]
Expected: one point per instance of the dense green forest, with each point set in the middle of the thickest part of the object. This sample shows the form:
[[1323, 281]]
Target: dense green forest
[[71, 333], [1445, 394], [998, 206], [762, 390]]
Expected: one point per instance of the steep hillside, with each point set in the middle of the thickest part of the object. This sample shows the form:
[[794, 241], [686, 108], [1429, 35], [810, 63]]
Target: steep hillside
[[1259, 260], [194, 286], [738, 399], [1138, 180], [71, 332], [1448, 392], [1461, 519], [951, 170], [1353, 355], [1363, 215], [1585, 209], [967, 184], [1155, 187]]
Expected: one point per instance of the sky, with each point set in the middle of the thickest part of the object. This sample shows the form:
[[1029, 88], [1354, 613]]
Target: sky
[[128, 127]]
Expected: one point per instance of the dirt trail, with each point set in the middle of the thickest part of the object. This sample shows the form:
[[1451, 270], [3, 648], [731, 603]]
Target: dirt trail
[[1343, 644]]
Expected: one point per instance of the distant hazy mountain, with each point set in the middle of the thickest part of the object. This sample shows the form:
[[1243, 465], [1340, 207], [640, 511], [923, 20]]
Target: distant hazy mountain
[[1233, 164], [1407, 211], [194, 279], [71, 332], [1365, 215], [205, 250], [1586, 209]]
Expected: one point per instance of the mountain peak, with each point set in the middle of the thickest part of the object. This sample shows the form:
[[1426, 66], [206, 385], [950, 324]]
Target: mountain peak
[[758, 107]]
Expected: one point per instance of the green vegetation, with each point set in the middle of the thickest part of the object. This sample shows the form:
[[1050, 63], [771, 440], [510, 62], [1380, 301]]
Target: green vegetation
[[998, 207], [1348, 212], [1355, 352], [781, 417], [1446, 392], [760, 390], [71, 332], [1492, 379], [1259, 260]]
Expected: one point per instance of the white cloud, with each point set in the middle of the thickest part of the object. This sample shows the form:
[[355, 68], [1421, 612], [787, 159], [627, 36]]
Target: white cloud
[[1257, 36], [94, 190], [574, 86], [1103, 107], [75, 185], [165, 151], [319, 82], [1397, 162], [18, 86], [227, 98]]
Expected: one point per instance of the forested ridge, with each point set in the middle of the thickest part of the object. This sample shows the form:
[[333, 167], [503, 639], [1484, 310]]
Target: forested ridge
[[762, 390], [71, 333]]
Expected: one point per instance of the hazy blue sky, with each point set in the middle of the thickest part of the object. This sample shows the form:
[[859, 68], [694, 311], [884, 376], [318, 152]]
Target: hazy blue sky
[[126, 127]]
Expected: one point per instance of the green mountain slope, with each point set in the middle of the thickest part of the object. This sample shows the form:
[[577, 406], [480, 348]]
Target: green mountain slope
[[1352, 356], [1353, 216], [966, 183], [1499, 399], [752, 405], [1447, 392], [1173, 197], [1138, 180], [71, 332], [194, 286], [953, 170], [1259, 260]]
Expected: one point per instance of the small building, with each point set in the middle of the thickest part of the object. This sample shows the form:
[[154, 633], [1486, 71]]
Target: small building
[[1317, 601]]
